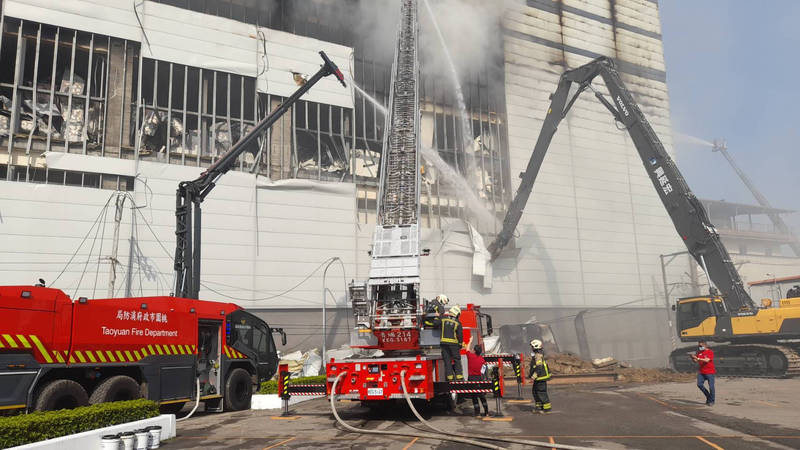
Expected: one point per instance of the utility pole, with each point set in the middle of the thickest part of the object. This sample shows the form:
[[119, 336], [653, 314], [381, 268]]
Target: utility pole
[[112, 275], [722, 147]]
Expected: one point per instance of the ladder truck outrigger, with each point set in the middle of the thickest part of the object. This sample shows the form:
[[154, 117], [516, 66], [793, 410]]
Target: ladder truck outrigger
[[754, 340], [388, 308], [56, 352]]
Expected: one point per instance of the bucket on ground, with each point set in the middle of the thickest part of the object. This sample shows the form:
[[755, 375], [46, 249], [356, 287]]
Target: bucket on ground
[[141, 439], [110, 442], [128, 439], [154, 436]]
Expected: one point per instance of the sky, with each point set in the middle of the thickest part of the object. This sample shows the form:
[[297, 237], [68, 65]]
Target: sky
[[733, 72]]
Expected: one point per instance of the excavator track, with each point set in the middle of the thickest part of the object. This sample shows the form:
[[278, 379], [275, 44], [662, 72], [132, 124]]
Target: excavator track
[[745, 360]]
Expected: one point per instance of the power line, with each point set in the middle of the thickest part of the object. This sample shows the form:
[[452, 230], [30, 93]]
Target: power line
[[84, 239]]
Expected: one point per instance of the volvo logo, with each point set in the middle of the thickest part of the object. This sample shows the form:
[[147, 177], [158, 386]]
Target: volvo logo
[[622, 106]]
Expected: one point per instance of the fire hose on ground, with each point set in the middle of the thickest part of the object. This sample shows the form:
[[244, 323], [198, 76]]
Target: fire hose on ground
[[442, 435], [399, 433], [196, 404], [490, 438]]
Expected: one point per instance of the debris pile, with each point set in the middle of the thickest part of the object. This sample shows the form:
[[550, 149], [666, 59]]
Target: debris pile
[[570, 364]]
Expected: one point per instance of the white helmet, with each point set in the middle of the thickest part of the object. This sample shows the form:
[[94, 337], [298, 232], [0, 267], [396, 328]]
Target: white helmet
[[441, 298], [455, 311], [536, 344]]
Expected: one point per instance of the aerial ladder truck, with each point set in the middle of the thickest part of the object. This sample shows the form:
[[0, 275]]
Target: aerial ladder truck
[[388, 306], [754, 340]]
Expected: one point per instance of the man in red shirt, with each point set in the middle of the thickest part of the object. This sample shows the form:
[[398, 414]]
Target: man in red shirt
[[476, 368], [705, 362]]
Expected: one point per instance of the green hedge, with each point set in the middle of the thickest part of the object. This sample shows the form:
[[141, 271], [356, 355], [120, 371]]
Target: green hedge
[[39, 426], [271, 386]]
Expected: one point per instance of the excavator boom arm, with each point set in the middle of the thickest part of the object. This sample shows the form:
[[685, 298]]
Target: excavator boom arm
[[687, 213]]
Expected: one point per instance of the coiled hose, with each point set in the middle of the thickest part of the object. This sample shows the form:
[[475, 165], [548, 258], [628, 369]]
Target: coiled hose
[[490, 438]]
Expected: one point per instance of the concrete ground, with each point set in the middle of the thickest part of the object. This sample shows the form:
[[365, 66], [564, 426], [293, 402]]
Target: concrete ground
[[750, 413]]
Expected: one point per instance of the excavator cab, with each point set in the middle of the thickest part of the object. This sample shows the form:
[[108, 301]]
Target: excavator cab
[[699, 316]]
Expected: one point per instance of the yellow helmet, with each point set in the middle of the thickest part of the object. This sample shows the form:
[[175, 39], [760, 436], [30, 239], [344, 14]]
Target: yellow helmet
[[536, 344], [441, 298], [455, 311]]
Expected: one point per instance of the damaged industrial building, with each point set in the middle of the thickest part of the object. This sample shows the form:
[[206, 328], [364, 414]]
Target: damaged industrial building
[[106, 105]]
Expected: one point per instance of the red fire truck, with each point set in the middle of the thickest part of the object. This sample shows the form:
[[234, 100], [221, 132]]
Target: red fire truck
[[58, 353], [414, 351]]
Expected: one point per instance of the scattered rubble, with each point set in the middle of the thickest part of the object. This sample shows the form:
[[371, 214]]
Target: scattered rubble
[[570, 364]]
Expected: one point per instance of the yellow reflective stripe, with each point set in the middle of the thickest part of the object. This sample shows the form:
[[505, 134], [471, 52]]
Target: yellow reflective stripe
[[128, 355], [136, 354], [41, 349], [150, 349], [158, 349], [120, 356], [227, 351], [174, 352], [110, 356], [24, 341], [59, 358], [166, 349], [10, 341], [100, 356], [181, 350], [1, 344], [188, 350], [80, 356], [71, 359], [193, 349]]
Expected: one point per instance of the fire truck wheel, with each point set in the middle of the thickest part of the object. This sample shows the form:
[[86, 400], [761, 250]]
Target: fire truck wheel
[[61, 394], [114, 389], [238, 390]]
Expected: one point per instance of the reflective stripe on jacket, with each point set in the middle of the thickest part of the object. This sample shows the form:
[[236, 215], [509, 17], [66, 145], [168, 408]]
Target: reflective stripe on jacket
[[451, 331], [539, 368]]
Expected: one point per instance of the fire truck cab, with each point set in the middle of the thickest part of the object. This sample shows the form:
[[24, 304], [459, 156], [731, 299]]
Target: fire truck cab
[[57, 353]]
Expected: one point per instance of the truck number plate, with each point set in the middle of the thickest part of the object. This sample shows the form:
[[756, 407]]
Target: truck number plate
[[371, 392]]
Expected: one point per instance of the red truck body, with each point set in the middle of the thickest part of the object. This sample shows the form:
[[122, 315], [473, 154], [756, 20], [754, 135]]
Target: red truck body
[[375, 379], [162, 343]]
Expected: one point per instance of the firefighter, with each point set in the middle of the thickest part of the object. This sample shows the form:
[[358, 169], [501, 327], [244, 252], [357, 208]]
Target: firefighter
[[435, 310], [540, 374], [451, 341]]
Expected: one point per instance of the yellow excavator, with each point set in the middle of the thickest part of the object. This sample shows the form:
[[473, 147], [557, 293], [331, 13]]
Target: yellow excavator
[[753, 340]]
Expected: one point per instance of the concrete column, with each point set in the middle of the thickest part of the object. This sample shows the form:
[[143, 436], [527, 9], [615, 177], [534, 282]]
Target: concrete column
[[280, 155], [120, 84]]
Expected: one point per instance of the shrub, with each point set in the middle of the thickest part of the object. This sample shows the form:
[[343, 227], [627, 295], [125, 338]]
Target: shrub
[[271, 386], [39, 426]]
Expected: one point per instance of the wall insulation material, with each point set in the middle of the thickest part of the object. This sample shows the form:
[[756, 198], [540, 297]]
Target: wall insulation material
[[200, 40], [594, 226], [87, 163]]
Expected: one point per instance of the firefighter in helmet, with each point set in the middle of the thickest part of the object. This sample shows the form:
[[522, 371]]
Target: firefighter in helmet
[[540, 373], [451, 341], [436, 308]]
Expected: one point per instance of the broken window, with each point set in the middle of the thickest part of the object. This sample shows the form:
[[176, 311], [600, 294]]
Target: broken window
[[188, 115], [323, 138], [53, 88]]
